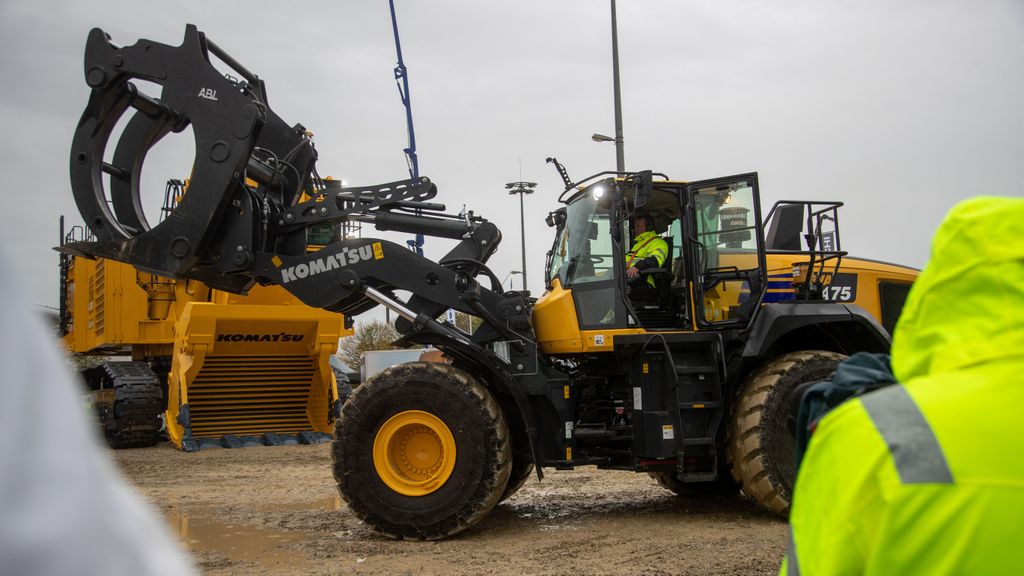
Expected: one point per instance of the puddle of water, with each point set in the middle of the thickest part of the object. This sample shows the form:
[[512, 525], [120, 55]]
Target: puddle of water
[[266, 547]]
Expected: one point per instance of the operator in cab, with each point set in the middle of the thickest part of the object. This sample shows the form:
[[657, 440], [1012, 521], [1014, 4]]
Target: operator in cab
[[649, 251]]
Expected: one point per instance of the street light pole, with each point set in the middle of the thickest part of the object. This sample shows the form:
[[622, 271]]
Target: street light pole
[[620, 156], [522, 188]]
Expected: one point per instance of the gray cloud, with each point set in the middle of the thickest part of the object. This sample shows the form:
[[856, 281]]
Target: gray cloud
[[899, 109]]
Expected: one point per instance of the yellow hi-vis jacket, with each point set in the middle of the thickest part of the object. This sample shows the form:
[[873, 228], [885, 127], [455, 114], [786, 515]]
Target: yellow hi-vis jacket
[[927, 476], [647, 245]]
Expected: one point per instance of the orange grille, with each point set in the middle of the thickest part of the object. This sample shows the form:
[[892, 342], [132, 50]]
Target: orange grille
[[251, 395]]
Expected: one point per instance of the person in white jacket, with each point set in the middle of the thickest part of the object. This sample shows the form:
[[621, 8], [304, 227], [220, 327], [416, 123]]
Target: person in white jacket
[[64, 509]]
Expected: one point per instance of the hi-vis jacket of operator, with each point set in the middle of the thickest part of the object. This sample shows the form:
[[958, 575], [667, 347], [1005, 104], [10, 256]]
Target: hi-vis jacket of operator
[[649, 251], [927, 476]]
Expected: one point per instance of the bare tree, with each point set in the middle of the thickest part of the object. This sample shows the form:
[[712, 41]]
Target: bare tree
[[373, 335]]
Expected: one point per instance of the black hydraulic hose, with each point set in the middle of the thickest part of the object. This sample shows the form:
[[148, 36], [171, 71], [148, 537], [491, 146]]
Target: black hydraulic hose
[[482, 269]]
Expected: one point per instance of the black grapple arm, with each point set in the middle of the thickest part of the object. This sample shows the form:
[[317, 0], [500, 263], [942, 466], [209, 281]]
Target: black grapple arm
[[236, 135], [254, 194]]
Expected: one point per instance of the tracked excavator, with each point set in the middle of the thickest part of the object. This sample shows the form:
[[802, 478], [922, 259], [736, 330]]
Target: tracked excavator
[[205, 367], [692, 386]]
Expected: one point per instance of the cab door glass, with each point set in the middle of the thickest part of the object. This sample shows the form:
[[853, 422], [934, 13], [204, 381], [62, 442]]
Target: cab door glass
[[726, 249], [584, 261], [584, 250]]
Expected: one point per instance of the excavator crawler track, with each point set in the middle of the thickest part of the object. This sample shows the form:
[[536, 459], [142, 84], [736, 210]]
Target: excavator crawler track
[[133, 420]]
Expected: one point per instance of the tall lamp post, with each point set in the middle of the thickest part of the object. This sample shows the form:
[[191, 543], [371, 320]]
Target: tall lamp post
[[620, 155], [521, 188]]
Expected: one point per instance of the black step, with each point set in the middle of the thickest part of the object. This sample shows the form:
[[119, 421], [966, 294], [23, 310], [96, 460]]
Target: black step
[[709, 405], [684, 370], [698, 441]]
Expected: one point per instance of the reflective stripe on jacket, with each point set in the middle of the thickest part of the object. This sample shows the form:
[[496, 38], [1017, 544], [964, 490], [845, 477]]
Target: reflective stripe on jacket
[[927, 477]]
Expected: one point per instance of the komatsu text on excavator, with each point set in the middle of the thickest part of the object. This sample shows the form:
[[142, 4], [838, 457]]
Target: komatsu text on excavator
[[691, 385]]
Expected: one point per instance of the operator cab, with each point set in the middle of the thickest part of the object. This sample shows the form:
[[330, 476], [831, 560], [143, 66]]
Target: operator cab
[[715, 253]]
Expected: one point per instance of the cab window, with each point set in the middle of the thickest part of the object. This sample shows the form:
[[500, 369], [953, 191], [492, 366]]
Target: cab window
[[583, 252]]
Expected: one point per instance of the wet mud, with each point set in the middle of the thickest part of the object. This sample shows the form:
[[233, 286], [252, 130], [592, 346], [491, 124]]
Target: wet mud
[[275, 511]]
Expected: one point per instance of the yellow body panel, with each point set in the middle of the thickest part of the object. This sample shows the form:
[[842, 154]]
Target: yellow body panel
[[558, 329], [557, 326], [555, 322], [870, 276], [109, 308]]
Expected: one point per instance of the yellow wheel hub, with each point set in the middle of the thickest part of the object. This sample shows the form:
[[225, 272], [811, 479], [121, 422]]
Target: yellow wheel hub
[[414, 453]]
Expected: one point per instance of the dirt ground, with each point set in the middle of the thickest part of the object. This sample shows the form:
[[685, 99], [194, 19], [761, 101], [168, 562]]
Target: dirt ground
[[275, 510]]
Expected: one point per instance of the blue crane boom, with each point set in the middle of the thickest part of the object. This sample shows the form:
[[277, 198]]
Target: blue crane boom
[[402, 80]]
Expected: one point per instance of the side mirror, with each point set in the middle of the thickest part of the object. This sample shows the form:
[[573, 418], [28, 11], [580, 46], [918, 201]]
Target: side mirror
[[556, 218], [644, 181]]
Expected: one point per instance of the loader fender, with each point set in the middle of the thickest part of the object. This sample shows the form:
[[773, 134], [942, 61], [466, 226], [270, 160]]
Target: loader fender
[[788, 326], [518, 412]]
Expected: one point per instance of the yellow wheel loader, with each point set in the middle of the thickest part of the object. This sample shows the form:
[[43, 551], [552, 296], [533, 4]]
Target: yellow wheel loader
[[691, 383]]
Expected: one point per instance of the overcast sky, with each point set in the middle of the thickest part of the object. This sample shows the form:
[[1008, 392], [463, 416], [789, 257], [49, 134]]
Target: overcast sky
[[898, 109]]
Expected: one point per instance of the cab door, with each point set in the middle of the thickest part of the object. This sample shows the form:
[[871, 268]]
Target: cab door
[[725, 250]]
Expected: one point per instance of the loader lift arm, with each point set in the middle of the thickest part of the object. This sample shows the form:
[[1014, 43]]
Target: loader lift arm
[[254, 192]]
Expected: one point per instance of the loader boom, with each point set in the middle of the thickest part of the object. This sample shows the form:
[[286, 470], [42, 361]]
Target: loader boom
[[230, 234]]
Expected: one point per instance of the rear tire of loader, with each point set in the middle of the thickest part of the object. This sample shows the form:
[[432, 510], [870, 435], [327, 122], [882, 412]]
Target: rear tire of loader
[[421, 451], [761, 447]]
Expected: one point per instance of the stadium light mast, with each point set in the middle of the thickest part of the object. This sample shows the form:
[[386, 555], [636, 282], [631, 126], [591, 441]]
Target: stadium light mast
[[521, 188]]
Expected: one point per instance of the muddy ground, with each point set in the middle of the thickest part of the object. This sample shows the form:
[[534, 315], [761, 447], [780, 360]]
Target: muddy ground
[[275, 510]]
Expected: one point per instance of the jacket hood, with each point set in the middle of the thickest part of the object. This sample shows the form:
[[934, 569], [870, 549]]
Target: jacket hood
[[967, 306]]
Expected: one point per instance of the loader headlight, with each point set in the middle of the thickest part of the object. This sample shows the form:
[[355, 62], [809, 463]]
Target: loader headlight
[[598, 192]]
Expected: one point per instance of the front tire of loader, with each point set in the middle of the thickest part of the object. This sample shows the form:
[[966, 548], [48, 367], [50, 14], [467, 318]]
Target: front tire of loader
[[761, 447], [421, 451], [522, 469]]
